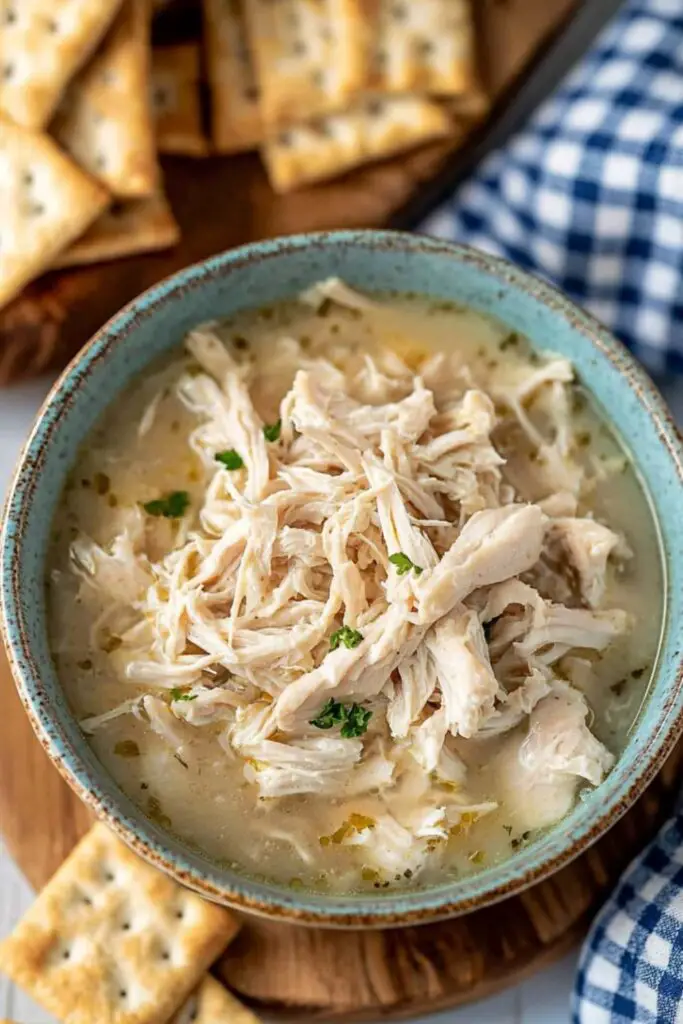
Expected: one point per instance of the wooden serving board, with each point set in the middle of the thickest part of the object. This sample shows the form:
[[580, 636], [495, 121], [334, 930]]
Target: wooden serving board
[[318, 974], [223, 202]]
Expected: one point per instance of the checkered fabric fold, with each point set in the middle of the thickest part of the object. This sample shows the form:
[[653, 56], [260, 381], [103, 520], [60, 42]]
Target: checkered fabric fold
[[590, 193], [631, 966]]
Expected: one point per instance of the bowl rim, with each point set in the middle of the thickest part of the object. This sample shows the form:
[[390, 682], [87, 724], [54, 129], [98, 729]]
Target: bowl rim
[[143, 837]]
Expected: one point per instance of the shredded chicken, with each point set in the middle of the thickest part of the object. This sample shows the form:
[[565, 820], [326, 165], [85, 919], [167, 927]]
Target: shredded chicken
[[541, 772], [363, 590]]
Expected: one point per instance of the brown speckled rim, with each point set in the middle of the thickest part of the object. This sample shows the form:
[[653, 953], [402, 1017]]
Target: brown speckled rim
[[65, 745]]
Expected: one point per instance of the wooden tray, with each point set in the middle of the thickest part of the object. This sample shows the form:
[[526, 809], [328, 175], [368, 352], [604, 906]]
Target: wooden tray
[[223, 202], [317, 974]]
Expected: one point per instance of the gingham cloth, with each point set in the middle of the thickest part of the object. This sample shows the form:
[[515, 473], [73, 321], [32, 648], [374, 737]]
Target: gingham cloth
[[631, 966], [590, 193]]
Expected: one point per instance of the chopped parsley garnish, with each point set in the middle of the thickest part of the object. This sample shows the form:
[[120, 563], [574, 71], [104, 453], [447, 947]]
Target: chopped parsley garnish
[[230, 459], [353, 720], [178, 694], [404, 564], [172, 506], [271, 431], [356, 724], [348, 637], [334, 713]]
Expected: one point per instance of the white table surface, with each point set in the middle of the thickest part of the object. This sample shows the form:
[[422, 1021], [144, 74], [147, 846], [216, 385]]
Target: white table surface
[[544, 999]]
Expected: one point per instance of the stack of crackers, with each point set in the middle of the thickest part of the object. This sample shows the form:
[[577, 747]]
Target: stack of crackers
[[316, 86], [111, 940], [322, 86], [78, 157]]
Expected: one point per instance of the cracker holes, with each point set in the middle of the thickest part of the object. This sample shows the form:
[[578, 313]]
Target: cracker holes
[[100, 162], [108, 876], [7, 71], [33, 206], [251, 94], [399, 12], [318, 78], [299, 48], [66, 954], [9, 16], [285, 139], [123, 993], [425, 47], [52, 26]]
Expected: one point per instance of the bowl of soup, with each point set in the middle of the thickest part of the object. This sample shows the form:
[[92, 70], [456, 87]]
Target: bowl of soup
[[342, 578]]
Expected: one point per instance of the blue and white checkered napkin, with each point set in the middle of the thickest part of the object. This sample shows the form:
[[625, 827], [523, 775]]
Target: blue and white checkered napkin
[[590, 193], [631, 966]]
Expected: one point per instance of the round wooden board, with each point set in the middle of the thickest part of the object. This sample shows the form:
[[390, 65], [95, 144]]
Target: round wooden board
[[320, 974]]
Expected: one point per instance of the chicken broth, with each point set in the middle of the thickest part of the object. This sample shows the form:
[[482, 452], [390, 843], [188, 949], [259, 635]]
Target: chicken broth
[[355, 593]]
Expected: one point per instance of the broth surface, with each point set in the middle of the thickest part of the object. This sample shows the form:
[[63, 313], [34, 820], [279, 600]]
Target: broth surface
[[208, 793]]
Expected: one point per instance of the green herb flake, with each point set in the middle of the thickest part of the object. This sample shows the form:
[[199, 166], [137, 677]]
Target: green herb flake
[[272, 431], [230, 459], [404, 564], [333, 713], [177, 694], [127, 748], [356, 723], [348, 637], [171, 506], [155, 812], [509, 341], [102, 483], [353, 720], [520, 840]]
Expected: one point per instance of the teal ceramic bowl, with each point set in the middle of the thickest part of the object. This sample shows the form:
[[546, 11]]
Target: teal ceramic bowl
[[260, 274]]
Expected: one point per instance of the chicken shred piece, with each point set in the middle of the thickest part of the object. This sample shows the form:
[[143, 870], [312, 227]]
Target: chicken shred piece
[[469, 688]]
